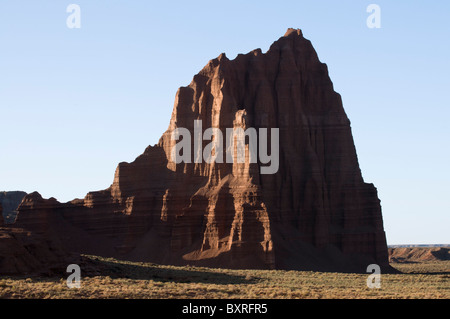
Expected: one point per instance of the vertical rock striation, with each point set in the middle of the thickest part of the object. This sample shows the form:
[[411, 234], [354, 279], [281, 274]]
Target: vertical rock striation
[[316, 212]]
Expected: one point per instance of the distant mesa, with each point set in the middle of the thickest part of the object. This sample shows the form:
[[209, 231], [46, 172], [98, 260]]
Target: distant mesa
[[10, 201], [315, 213], [420, 253]]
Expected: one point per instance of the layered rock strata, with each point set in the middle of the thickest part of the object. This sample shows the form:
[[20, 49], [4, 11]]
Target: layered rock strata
[[316, 212]]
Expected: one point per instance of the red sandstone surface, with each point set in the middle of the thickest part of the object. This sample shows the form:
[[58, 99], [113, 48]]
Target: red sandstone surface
[[315, 213]]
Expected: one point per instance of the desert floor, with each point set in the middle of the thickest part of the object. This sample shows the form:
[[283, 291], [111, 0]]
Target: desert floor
[[428, 279]]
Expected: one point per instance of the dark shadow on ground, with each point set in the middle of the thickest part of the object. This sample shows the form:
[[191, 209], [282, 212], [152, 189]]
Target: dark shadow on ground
[[97, 266]]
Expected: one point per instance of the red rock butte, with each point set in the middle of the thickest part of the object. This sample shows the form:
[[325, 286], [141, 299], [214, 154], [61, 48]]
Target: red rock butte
[[315, 213]]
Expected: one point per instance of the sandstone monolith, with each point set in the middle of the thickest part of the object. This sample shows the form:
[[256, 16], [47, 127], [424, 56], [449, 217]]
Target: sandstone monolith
[[315, 213]]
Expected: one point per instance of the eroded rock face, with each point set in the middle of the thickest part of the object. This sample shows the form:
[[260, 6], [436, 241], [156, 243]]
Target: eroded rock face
[[315, 212]]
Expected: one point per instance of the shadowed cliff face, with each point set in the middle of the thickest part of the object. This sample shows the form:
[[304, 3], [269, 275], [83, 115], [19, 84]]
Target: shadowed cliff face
[[10, 201], [315, 212], [24, 252]]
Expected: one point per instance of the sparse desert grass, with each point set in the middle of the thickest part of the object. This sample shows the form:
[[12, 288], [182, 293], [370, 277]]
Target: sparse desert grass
[[120, 279]]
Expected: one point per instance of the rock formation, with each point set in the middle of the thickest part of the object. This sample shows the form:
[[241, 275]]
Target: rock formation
[[10, 201], [418, 254], [26, 253], [314, 213]]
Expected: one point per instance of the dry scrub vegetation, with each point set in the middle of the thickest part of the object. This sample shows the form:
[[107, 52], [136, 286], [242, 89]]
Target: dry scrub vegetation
[[120, 279]]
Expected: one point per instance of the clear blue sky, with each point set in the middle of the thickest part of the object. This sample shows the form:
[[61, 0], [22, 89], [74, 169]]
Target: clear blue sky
[[76, 102]]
